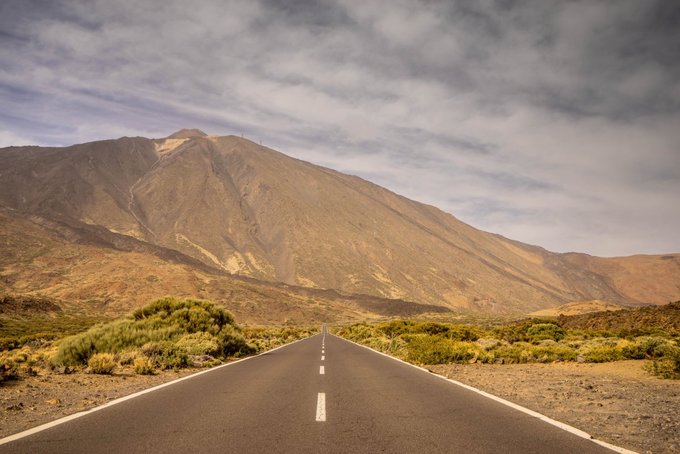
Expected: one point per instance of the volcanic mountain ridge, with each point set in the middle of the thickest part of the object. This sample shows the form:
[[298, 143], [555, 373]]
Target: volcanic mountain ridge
[[239, 208]]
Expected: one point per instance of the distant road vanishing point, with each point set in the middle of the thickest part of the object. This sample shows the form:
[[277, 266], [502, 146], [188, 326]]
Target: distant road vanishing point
[[322, 394]]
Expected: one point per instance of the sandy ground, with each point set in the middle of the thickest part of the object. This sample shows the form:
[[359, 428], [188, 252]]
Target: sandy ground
[[616, 402]]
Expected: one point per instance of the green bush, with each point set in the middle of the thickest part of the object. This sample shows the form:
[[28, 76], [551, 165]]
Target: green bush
[[669, 365], [519, 352], [199, 344], [530, 331], [528, 341], [165, 355], [425, 349], [101, 363], [260, 338], [646, 348], [175, 325], [391, 329], [232, 343], [464, 333], [548, 353], [541, 331], [601, 353]]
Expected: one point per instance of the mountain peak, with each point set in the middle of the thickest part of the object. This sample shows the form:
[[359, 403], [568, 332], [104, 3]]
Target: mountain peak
[[187, 134]]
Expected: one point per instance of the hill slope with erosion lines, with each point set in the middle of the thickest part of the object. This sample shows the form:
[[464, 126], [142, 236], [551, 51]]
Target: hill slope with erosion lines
[[244, 209]]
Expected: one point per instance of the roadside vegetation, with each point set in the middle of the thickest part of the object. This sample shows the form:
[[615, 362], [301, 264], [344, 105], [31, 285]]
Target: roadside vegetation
[[26, 319], [169, 333], [528, 341]]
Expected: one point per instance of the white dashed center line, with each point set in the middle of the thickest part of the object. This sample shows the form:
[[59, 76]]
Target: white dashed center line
[[321, 407], [322, 371], [323, 357]]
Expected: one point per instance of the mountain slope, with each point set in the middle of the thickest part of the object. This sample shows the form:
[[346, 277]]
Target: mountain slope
[[91, 272], [245, 209]]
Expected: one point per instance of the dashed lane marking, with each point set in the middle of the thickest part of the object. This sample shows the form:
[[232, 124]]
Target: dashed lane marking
[[321, 407]]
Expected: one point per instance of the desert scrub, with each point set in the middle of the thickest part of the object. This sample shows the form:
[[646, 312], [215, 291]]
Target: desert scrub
[[101, 363], [9, 370], [532, 331], [166, 355], [669, 365], [143, 366], [529, 341], [15, 364], [543, 331], [602, 350], [163, 330], [425, 349], [265, 338], [200, 343], [646, 347]]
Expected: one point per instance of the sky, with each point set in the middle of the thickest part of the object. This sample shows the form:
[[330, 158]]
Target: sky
[[555, 123]]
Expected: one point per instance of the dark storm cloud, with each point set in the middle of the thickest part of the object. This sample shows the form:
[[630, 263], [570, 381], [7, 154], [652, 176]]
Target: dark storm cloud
[[552, 122]]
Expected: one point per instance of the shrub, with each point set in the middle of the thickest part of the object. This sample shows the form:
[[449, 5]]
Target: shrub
[[127, 358], [424, 349], [530, 331], [391, 329], [199, 344], [8, 370], [541, 331], [232, 343], [464, 333], [143, 366], [101, 363], [488, 344], [551, 352], [260, 338], [601, 353], [194, 324], [74, 350], [646, 347], [519, 352], [165, 355], [432, 328], [669, 366]]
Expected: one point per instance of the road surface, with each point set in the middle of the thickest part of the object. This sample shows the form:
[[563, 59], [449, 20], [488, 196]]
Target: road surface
[[319, 395]]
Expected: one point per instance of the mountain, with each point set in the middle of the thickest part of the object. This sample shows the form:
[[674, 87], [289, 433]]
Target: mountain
[[239, 208], [73, 270]]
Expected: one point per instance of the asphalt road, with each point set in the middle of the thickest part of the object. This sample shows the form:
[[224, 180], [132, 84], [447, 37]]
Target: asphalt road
[[292, 401]]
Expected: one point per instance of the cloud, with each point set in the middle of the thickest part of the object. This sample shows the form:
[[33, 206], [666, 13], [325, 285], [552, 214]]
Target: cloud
[[546, 121]]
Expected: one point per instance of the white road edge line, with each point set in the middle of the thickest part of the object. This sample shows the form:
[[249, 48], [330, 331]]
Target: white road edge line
[[322, 370], [561, 425], [321, 407], [60, 421]]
